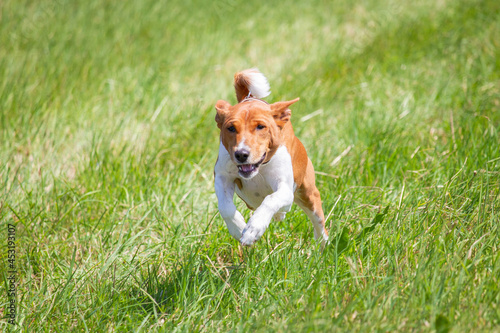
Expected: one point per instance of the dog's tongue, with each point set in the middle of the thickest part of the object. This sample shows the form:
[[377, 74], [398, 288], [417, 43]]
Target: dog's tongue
[[246, 167]]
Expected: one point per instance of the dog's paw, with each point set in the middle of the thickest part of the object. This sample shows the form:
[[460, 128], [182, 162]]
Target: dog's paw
[[251, 234]]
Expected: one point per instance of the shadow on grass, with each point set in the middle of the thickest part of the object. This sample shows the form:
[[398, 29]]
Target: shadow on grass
[[342, 242]]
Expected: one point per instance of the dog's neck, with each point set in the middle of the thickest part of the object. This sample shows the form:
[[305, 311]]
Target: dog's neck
[[250, 98]]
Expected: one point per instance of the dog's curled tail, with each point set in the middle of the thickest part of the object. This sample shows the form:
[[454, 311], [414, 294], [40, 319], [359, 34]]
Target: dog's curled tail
[[251, 83]]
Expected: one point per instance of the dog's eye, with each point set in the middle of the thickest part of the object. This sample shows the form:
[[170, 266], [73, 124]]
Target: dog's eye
[[231, 129], [259, 127]]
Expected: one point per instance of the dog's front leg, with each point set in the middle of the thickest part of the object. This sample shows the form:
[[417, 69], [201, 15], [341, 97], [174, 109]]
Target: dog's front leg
[[258, 223], [235, 222]]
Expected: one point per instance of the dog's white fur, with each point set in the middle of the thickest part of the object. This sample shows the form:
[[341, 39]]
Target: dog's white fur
[[271, 190], [258, 84]]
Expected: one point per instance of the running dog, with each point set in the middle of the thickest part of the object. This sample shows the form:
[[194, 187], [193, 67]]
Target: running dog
[[261, 159]]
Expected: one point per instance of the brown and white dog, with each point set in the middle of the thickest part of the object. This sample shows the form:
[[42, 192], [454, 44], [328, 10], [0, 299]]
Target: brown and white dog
[[262, 160]]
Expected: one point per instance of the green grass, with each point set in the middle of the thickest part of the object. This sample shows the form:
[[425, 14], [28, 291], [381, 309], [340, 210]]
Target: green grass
[[108, 141]]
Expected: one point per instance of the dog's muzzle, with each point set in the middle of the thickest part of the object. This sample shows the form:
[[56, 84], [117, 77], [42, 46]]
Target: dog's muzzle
[[249, 170]]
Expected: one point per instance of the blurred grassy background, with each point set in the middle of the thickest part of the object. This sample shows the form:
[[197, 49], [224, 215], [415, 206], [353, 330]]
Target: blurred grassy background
[[108, 143]]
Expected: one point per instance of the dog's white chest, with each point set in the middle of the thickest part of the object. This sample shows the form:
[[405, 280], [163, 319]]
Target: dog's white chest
[[253, 191]]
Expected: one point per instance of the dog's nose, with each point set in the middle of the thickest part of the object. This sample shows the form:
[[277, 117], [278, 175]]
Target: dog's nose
[[241, 155]]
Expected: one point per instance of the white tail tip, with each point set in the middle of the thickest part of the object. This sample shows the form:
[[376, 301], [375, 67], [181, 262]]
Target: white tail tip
[[258, 85], [251, 82]]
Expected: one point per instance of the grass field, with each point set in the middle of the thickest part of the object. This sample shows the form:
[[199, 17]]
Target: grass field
[[108, 141]]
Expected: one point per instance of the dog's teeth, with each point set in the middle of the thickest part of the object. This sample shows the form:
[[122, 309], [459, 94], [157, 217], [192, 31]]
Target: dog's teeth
[[246, 167]]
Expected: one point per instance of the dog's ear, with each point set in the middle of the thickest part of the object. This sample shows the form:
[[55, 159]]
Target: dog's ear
[[222, 108], [281, 113]]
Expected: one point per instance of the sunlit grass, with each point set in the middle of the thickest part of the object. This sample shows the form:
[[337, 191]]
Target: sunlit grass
[[108, 143]]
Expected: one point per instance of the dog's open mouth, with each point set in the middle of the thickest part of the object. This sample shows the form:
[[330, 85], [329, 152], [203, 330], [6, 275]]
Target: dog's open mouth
[[246, 170]]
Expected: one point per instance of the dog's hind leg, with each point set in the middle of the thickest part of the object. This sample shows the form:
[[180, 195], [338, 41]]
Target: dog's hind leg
[[308, 198]]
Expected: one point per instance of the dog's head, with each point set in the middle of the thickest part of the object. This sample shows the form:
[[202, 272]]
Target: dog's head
[[251, 131]]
